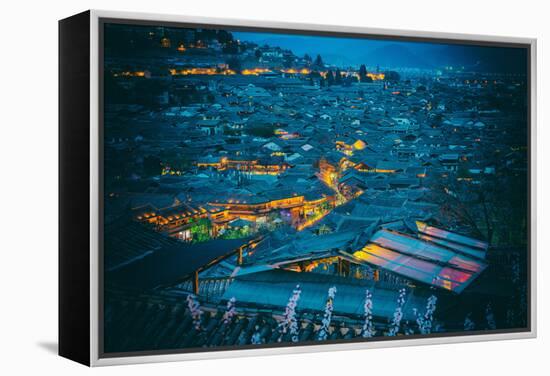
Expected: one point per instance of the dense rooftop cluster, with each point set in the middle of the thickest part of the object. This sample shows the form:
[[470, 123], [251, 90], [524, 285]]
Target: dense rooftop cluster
[[239, 171]]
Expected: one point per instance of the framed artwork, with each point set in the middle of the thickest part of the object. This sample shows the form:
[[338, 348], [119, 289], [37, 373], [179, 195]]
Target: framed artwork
[[232, 188]]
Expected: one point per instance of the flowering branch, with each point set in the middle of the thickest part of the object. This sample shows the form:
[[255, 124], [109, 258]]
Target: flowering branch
[[425, 321], [230, 311], [194, 307], [398, 314], [368, 327], [323, 332], [290, 323]]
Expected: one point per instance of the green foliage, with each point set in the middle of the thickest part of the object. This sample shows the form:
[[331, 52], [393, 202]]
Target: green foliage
[[201, 230], [237, 233], [264, 131]]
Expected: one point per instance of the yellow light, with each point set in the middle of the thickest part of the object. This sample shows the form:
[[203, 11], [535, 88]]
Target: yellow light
[[376, 76], [255, 71]]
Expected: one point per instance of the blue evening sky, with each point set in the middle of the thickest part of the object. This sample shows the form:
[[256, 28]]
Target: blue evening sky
[[344, 52]]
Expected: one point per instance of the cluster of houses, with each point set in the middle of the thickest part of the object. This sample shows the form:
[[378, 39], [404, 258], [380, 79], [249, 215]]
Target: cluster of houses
[[300, 183], [266, 139]]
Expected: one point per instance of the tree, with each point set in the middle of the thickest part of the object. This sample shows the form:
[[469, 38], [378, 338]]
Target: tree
[[264, 131], [201, 230], [234, 64], [307, 59], [152, 165], [362, 72], [330, 78], [224, 36], [230, 47], [392, 76], [319, 61], [338, 77], [288, 61]]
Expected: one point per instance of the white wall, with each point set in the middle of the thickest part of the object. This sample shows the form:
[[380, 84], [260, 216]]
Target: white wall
[[28, 136]]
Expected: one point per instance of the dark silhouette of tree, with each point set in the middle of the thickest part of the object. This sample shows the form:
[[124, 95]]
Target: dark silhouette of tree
[[231, 47], [330, 78], [288, 61], [319, 61], [264, 131], [234, 64], [314, 74], [224, 36], [338, 77], [151, 165], [362, 72], [392, 76]]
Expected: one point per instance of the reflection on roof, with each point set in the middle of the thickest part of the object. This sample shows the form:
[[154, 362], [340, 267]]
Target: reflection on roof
[[425, 250], [428, 259], [450, 236], [455, 246], [419, 270]]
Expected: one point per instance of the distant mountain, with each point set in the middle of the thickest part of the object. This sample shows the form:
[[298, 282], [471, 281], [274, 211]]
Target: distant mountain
[[337, 51], [340, 60], [395, 56], [481, 59], [473, 58]]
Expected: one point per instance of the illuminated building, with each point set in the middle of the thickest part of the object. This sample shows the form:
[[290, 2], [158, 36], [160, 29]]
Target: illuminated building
[[201, 71], [348, 149], [165, 42], [255, 166]]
